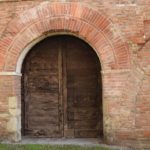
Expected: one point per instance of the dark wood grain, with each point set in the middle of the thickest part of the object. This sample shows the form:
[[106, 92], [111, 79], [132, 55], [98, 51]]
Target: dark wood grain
[[42, 90], [61, 90], [83, 89]]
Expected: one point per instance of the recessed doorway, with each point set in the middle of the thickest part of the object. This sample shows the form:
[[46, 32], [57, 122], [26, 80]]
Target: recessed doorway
[[62, 90]]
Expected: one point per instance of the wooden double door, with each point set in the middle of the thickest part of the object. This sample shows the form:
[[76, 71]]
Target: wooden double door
[[61, 90]]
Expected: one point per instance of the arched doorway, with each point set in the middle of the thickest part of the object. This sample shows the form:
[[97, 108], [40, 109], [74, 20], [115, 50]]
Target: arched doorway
[[62, 90]]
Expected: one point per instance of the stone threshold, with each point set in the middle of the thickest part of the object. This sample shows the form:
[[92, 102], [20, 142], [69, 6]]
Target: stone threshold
[[67, 141]]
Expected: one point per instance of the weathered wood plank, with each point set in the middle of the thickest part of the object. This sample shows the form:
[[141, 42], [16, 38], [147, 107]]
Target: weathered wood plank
[[61, 90], [42, 97], [83, 96]]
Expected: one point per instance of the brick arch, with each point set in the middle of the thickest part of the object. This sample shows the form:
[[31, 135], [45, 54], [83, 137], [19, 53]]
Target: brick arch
[[72, 18]]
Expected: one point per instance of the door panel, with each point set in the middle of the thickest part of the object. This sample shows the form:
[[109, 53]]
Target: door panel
[[41, 91], [83, 96], [61, 90]]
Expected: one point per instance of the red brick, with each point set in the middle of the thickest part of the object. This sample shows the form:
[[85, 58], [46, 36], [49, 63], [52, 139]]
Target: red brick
[[118, 31]]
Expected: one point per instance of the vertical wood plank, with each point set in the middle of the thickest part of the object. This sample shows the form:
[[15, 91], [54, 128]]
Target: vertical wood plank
[[67, 132], [60, 70]]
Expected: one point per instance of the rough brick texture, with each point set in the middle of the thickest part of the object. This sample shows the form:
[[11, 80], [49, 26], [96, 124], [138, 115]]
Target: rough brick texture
[[119, 32]]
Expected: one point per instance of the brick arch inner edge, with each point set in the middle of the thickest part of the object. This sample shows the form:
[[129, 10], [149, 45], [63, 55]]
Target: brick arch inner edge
[[80, 20]]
